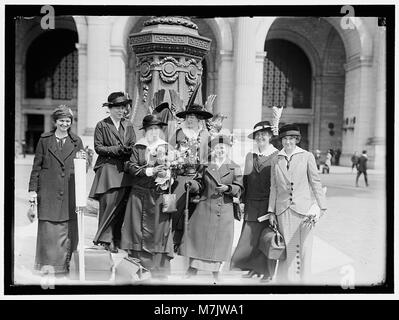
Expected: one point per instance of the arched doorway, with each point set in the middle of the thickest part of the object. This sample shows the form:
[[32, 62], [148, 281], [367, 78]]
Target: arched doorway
[[304, 72]]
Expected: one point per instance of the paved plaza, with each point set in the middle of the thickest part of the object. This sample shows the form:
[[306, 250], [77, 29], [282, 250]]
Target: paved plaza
[[349, 240]]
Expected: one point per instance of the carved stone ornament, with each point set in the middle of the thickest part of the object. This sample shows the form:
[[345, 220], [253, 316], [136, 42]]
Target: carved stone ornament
[[145, 92], [145, 72], [169, 72], [177, 20]]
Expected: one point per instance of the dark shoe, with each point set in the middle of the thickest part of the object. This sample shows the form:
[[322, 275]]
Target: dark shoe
[[266, 279], [113, 248], [250, 274]]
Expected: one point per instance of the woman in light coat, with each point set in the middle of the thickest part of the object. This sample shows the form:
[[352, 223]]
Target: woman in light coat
[[294, 174], [211, 227]]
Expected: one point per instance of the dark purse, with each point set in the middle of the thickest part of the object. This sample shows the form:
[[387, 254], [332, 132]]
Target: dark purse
[[272, 244], [236, 209]]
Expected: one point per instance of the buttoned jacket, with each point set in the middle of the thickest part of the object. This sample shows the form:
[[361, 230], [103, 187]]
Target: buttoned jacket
[[291, 187]]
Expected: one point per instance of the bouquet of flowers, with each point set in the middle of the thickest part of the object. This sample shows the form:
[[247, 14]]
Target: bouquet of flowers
[[188, 155]]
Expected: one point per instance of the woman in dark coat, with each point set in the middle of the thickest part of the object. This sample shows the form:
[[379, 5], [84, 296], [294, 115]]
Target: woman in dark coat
[[146, 230], [211, 227], [114, 139], [52, 185], [247, 256], [191, 140]]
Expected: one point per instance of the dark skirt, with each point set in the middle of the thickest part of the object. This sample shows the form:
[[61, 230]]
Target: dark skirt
[[178, 216], [55, 243], [146, 230], [247, 256]]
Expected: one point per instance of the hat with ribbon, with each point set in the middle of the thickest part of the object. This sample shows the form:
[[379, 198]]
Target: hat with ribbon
[[116, 99], [260, 126], [289, 130], [152, 120]]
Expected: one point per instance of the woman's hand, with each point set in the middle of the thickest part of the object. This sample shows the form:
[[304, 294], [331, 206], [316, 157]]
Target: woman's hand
[[158, 169], [222, 188], [272, 219], [33, 196]]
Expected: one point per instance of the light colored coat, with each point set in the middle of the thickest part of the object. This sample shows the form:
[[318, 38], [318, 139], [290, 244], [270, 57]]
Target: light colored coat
[[291, 188]]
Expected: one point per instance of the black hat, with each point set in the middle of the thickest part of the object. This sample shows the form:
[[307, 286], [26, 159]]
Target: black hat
[[152, 120], [220, 139], [260, 126], [116, 99], [161, 106], [289, 130], [196, 109]]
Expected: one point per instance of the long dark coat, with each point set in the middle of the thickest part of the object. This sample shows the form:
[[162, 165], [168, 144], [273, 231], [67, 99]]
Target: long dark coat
[[110, 162], [145, 226], [211, 227], [53, 178]]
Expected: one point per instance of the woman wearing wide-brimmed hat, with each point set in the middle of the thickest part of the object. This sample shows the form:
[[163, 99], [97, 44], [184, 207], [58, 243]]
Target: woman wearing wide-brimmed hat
[[146, 229], [114, 138], [247, 256], [211, 227], [293, 175], [52, 185], [191, 140]]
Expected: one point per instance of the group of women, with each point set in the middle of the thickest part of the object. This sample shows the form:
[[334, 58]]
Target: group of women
[[133, 176]]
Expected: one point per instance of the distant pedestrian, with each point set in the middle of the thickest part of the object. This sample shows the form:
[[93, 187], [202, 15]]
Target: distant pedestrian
[[317, 156], [332, 152], [327, 163], [362, 168], [337, 156], [354, 159], [90, 154], [23, 147]]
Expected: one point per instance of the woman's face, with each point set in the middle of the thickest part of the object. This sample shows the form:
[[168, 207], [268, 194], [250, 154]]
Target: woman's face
[[221, 150], [192, 121], [289, 143], [262, 138], [117, 112], [63, 124], [152, 132]]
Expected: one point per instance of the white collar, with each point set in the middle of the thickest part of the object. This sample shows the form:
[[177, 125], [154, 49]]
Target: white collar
[[219, 163], [269, 150], [116, 123], [296, 150]]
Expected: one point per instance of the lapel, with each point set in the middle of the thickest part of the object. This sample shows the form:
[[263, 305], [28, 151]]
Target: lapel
[[213, 171], [224, 170], [281, 162], [67, 149], [53, 149], [112, 128]]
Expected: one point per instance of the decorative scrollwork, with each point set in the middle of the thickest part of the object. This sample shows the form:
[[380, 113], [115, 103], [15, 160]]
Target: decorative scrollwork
[[168, 79], [145, 92], [178, 20]]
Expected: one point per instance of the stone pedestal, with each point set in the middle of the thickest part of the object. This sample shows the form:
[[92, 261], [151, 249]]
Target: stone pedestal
[[169, 52]]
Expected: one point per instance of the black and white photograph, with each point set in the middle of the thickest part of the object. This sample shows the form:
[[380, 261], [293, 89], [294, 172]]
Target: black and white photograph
[[195, 149]]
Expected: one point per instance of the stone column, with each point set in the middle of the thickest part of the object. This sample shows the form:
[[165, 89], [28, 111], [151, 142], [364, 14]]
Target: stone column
[[82, 88], [97, 70], [358, 107], [379, 139], [247, 108], [117, 69], [225, 98]]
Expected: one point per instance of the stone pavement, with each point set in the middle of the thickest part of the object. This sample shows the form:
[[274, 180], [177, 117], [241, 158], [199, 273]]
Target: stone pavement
[[349, 240]]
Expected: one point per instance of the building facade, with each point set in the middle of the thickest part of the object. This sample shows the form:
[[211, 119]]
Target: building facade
[[329, 78]]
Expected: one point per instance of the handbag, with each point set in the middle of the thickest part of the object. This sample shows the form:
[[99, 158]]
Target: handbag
[[32, 211], [169, 201], [272, 244], [236, 209]]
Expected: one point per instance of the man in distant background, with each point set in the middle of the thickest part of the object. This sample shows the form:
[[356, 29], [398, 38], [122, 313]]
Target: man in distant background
[[362, 168], [354, 160]]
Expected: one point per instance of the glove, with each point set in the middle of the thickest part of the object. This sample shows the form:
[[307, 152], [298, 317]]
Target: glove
[[127, 150]]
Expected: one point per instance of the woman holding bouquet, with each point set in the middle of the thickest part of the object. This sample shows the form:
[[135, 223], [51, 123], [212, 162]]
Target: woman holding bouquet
[[146, 230], [191, 141], [293, 175], [211, 228], [247, 256]]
